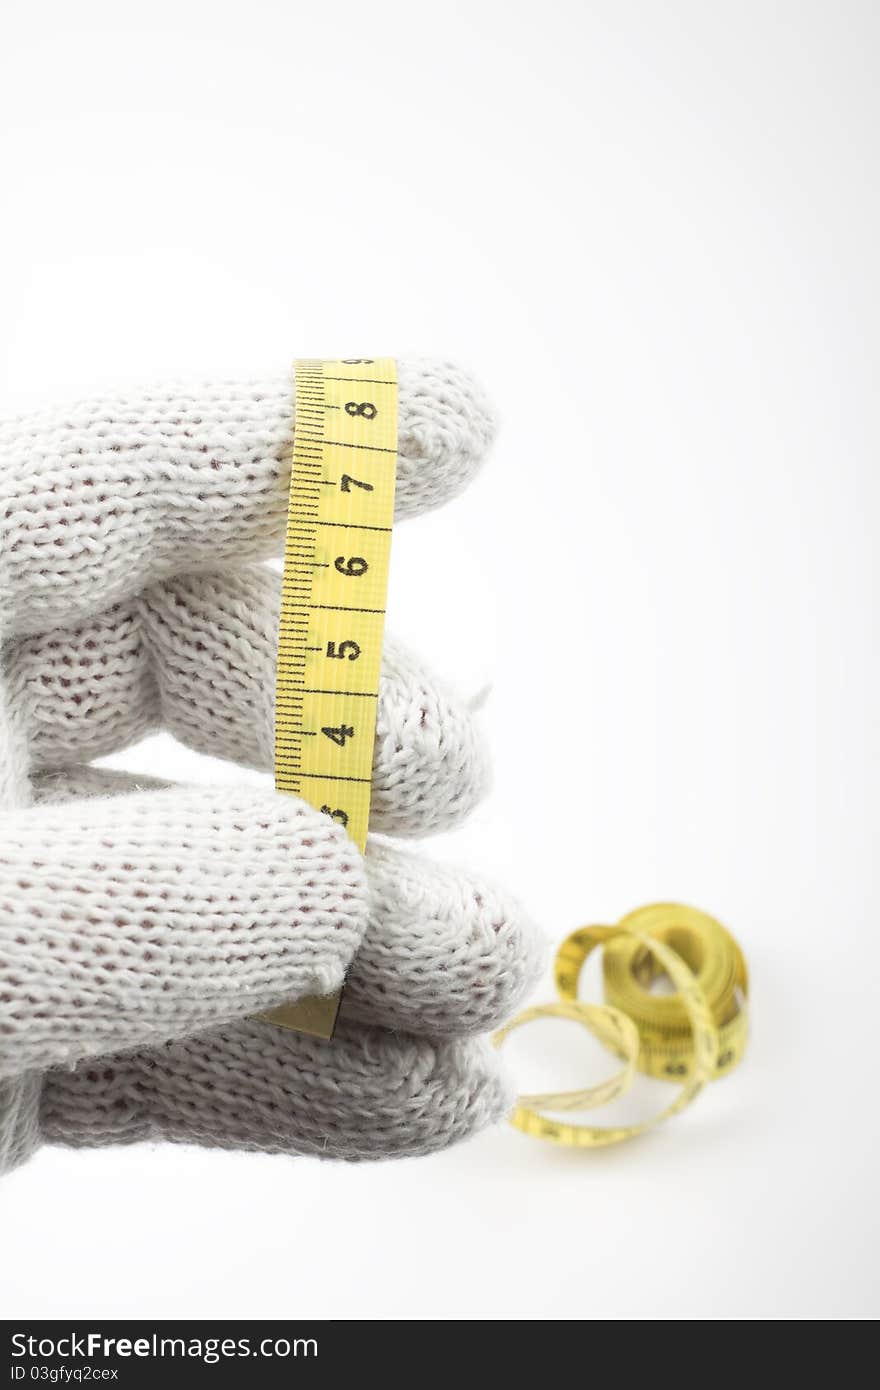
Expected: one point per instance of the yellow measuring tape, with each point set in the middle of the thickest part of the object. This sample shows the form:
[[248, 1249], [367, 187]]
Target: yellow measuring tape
[[333, 598], [694, 1035], [336, 558]]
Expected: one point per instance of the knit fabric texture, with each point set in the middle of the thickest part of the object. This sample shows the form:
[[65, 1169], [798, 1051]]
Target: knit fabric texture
[[196, 655], [109, 495], [142, 925]]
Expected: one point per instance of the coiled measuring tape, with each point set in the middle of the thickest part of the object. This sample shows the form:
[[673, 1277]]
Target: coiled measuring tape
[[333, 596], [693, 1036]]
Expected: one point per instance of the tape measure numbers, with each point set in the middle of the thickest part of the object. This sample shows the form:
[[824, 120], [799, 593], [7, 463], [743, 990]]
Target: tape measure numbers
[[333, 598], [694, 1035]]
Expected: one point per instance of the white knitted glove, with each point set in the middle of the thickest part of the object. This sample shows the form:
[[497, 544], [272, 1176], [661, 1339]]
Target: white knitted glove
[[143, 925]]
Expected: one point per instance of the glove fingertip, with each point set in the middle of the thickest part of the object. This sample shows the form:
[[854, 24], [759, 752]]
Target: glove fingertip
[[447, 427]]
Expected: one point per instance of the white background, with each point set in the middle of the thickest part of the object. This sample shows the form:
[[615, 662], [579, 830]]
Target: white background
[[652, 230]]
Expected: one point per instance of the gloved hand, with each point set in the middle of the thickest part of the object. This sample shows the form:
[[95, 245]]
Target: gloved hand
[[142, 926]]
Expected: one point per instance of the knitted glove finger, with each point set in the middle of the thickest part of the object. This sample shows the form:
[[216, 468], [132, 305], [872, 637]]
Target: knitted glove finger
[[145, 917], [220, 630], [197, 655], [367, 1094], [100, 499], [444, 953]]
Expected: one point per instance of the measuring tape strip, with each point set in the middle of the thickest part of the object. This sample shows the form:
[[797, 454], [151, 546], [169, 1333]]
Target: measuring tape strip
[[333, 596], [694, 1035]]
